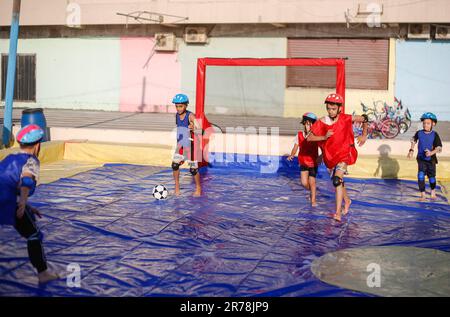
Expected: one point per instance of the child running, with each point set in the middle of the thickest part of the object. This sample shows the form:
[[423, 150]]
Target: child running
[[18, 176], [338, 146], [429, 145], [186, 125], [307, 156]]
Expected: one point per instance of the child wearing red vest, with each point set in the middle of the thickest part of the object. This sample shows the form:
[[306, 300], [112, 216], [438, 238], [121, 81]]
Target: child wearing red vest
[[338, 146], [307, 156]]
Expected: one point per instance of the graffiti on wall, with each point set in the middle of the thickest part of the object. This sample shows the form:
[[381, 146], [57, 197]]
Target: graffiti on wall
[[385, 121]]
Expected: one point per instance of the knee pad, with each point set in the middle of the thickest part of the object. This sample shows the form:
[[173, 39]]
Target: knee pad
[[432, 180], [337, 181], [421, 176], [30, 183], [175, 166], [193, 167]]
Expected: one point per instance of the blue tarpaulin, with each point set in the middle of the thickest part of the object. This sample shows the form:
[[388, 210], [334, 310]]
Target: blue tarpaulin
[[250, 234]]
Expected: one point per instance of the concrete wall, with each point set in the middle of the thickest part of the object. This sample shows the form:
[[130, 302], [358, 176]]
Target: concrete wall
[[54, 12], [423, 82], [301, 100], [73, 73], [237, 90]]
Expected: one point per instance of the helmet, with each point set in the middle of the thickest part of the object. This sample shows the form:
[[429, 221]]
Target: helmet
[[29, 134], [429, 115], [180, 98], [309, 116], [334, 98]]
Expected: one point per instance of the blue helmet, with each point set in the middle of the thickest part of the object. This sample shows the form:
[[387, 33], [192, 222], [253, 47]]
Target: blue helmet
[[180, 98], [429, 115], [309, 116], [30, 134]]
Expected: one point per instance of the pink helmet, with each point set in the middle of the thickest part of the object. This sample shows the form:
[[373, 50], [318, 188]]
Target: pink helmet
[[334, 98]]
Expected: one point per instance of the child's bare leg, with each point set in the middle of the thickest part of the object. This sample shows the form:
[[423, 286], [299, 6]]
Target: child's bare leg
[[198, 187], [304, 175], [433, 194], [176, 176], [347, 201], [432, 180], [421, 182], [312, 186], [422, 196], [339, 194], [27, 228]]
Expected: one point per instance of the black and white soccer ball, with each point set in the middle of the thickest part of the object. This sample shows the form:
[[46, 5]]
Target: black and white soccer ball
[[160, 192]]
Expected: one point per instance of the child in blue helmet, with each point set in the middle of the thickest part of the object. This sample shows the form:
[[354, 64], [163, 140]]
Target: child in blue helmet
[[429, 144], [18, 176], [307, 156], [186, 125]]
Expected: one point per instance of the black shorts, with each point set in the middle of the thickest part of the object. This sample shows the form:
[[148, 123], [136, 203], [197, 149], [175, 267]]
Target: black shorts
[[312, 170], [427, 167]]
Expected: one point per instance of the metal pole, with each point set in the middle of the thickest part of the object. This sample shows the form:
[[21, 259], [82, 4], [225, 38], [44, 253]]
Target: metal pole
[[11, 75]]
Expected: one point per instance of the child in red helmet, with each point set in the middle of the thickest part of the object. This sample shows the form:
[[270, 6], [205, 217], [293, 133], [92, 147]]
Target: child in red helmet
[[338, 146], [307, 156]]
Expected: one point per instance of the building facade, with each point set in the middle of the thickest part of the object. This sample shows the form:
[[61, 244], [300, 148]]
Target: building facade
[[135, 55]]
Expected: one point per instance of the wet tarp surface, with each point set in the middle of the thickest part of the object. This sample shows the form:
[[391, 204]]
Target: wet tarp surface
[[250, 234]]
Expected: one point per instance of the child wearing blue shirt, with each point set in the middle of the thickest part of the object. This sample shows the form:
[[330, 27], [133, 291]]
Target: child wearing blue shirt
[[429, 143], [18, 179]]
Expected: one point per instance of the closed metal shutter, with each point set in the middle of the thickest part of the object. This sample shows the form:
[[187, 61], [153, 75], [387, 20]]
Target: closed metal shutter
[[366, 68], [25, 84]]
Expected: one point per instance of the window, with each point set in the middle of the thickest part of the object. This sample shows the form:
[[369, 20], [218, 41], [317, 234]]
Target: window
[[25, 85], [366, 68]]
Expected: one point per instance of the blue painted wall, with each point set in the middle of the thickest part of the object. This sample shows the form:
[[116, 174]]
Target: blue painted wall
[[423, 77]]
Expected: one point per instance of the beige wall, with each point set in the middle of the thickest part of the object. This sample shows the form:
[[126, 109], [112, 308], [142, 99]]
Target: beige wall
[[301, 100], [53, 12]]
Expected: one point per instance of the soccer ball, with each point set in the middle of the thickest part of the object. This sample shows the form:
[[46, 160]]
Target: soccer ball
[[160, 192]]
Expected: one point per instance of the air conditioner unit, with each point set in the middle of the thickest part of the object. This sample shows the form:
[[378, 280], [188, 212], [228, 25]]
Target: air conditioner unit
[[419, 31], [442, 33], [195, 35], [165, 42]]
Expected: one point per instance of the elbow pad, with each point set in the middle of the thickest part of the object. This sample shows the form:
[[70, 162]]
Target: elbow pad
[[30, 183]]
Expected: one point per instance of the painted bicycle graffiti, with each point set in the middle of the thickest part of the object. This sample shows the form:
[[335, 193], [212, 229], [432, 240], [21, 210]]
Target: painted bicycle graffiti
[[385, 121]]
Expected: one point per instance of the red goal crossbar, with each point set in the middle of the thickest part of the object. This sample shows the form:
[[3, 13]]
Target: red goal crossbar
[[202, 63]]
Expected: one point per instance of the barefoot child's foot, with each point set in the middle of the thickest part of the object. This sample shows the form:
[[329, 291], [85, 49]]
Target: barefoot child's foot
[[313, 204], [337, 217], [433, 194], [197, 193], [177, 193], [347, 207], [46, 276], [422, 197]]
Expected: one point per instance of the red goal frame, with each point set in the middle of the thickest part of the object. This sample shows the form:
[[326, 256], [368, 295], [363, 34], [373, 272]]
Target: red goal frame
[[202, 63]]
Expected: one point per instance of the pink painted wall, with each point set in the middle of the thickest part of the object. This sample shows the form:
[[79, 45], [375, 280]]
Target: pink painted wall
[[149, 79]]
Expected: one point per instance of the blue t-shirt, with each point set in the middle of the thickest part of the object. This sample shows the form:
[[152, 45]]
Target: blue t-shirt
[[427, 141], [183, 132], [11, 170]]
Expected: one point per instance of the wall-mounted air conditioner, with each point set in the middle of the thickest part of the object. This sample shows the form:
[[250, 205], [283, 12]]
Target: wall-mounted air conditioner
[[419, 31], [195, 35], [165, 42], [442, 33]]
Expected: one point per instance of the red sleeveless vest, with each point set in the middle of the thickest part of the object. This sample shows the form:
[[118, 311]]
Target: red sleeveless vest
[[340, 147], [309, 151]]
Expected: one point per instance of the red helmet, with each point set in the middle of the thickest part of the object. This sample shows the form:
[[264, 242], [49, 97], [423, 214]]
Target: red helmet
[[334, 98]]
